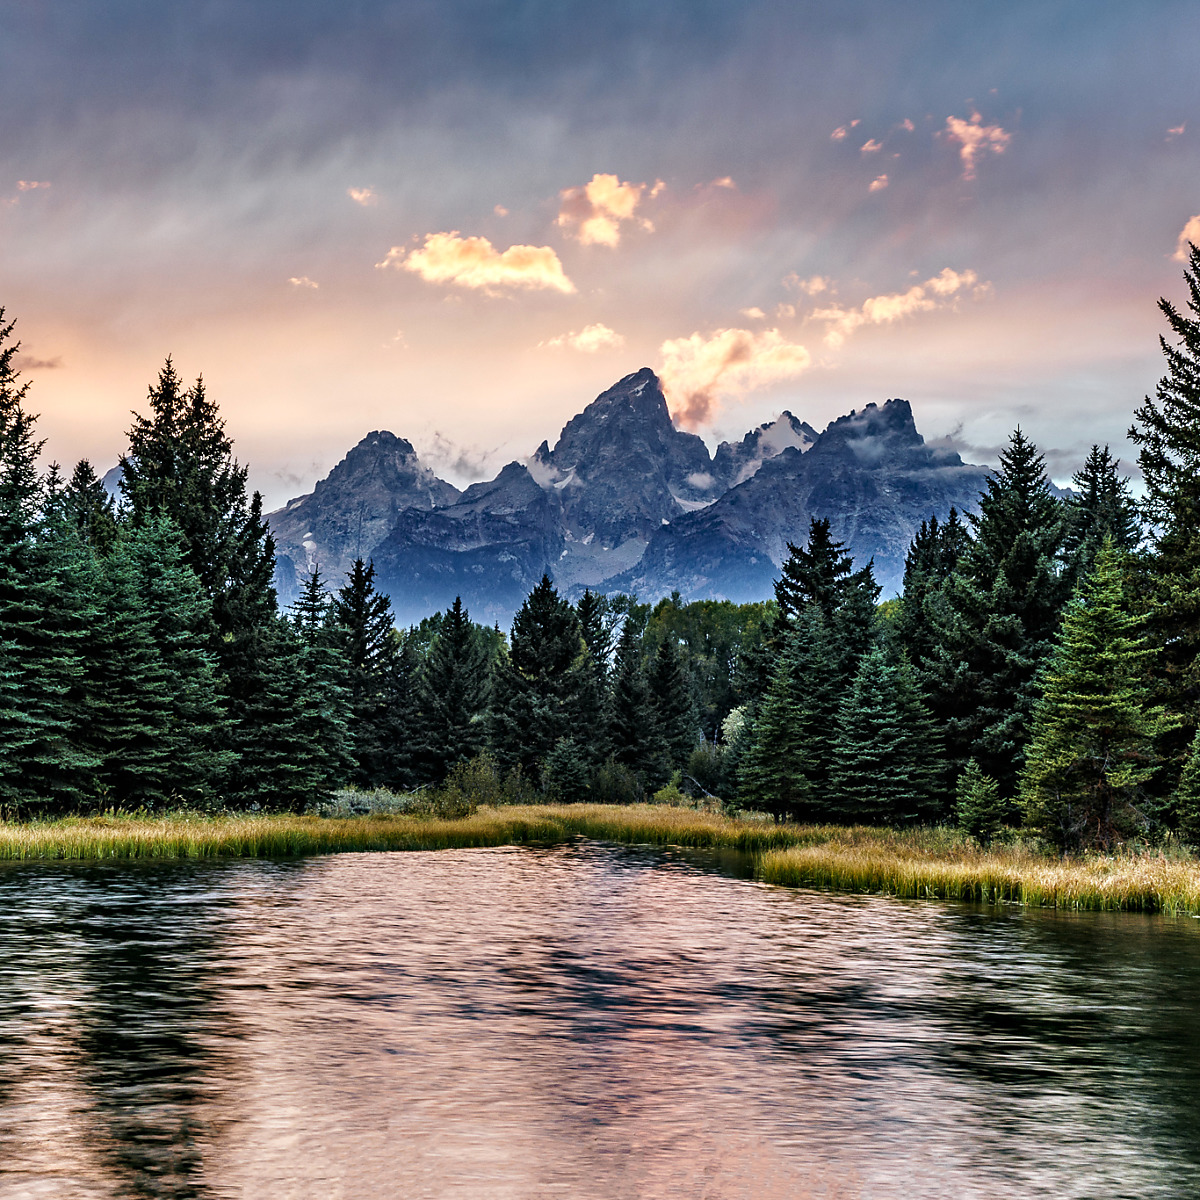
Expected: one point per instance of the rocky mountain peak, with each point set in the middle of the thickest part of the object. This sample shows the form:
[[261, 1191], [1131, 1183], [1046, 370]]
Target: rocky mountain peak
[[735, 462]]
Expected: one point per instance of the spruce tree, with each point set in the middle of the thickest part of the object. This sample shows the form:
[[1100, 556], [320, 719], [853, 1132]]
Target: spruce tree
[[381, 682], [90, 508], [672, 706], [932, 559], [997, 618], [1095, 727], [1100, 509], [1187, 798], [538, 689], [1166, 430], [452, 695], [632, 730], [979, 810]]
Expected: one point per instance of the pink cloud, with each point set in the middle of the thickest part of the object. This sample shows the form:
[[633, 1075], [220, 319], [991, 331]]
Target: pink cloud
[[364, 196], [975, 139], [1189, 233], [878, 183], [871, 146], [473, 262], [731, 362], [590, 339], [595, 211], [28, 185]]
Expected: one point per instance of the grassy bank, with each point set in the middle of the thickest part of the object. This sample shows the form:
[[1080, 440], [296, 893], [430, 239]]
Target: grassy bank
[[932, 864]]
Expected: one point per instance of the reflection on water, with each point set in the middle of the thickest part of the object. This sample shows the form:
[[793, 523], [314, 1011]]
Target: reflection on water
[[579, 1022]]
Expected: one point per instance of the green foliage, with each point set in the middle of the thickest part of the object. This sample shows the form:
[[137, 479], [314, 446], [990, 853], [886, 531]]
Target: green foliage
[[632, 727], [89, 509], [1188, 796], [1095, 727], [932, 559], [615, 783], [1101, 509], [567, 772], [997, 616], [979, 810]]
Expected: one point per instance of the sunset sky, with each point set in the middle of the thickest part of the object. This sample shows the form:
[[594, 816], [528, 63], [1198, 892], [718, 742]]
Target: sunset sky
[[460, 220]]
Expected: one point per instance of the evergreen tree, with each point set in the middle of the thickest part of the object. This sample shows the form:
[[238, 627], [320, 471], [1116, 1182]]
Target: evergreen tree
[[1101, 509], [672, 707], [1095, 726], [539, 688], [452, 695], [41, 765], [323, 712], [776, 769], [1187, 799], [980, 811], [886, 760], [1166, 430], [998, 617], [931, 560], [90, 509], [632, 730], [197, 759], [595, 626], [381, 682]]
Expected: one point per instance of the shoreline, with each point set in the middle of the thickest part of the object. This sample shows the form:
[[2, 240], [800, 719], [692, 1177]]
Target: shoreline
[[934, 864]]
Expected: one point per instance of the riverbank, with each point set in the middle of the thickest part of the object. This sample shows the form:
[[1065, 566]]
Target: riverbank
[[925, 864]]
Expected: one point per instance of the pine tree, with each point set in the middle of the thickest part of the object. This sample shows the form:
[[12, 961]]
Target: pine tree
[[1167, 433], [538, 689], [1095, 727], [90, 509], [776, 769], [632, 731], [672, 706], [381, 682], [998, 617], [979, 810], [1187, 798], [41, 766], [452, 691], [931, 560], [1101, 509]]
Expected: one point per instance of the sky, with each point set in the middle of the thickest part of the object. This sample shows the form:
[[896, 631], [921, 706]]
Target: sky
[[461, 220]]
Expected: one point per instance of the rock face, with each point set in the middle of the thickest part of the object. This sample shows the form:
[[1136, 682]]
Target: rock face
[[352, 510], [870, 473], [491, 548], [625, 502]]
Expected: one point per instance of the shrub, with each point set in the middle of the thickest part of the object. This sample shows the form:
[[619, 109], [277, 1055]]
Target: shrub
[[615, 784], [980, 810]]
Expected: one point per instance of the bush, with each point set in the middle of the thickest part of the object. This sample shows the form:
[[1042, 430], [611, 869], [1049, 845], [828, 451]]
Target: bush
[[707, 767], [615, 784], [566, 776], [980, 810]]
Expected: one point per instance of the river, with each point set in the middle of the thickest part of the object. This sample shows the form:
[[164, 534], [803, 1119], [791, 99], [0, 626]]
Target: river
[[583, 1022]]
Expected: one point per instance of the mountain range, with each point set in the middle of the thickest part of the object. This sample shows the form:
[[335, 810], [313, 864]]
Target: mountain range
[[624, 502]]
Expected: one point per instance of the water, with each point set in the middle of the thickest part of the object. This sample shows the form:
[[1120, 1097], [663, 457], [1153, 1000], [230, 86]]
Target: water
[[582, 1022]]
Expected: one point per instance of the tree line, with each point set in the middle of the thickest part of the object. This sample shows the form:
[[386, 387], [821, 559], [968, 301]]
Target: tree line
[[1040, 666]]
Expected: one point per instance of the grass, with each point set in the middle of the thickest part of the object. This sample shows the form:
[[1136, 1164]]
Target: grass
[[927, 864]]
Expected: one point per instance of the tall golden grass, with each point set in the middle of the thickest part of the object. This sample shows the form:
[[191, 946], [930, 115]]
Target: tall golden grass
[[928, 864]]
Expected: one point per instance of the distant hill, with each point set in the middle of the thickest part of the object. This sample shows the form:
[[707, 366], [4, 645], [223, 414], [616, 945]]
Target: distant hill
[[624, 502]]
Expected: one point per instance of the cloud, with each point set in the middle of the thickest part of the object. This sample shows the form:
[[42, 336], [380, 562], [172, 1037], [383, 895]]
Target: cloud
[[906, 124], [473, 262], [840, 133], [1177, 131], [594, 212], [303, 281], [883, 310], [1189, 233], [871, 146], [754, 313], [28, 185], [814, 285], [725, 181], [731, 362], [974, 139], [878, 183], [590, 339], [27, 362], [500, 210], [364, 196]]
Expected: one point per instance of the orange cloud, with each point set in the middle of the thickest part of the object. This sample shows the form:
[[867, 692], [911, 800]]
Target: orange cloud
[[1176, 131], [812, 286], [730, 362], [974, 139], [871, 146], [473, 262], [595, 211], [303, 281], [364, 196], [27, 185], [1189, 233], [590, 339], [883, 310], [754, 313], [878, 183]]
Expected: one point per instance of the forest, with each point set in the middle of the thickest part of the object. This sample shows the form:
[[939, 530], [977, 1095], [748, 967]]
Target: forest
[[1039, 670]]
